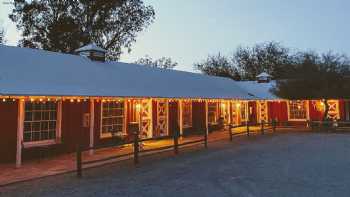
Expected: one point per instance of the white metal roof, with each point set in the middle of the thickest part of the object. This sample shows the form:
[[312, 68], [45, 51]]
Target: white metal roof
[[259, 90], [263, 74], [26, 71], [91, 47]]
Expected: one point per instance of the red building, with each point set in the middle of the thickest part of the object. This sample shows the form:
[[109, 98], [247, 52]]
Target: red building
[[58, 100]]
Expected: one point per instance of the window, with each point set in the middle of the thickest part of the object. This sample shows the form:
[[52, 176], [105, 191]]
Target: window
[[234, 107], [40, 122], [112, 119], [297, 110], [187, 114], [244, 110], [212, 113]]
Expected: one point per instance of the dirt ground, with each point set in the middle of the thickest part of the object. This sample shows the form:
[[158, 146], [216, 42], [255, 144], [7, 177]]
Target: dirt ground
[[283, 164]]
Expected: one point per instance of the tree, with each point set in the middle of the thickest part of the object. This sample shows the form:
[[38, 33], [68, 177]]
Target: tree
[[164, 62], [316, 76], [248, 62], [270, 57], [218, 65], [66, 25], [2, 36]]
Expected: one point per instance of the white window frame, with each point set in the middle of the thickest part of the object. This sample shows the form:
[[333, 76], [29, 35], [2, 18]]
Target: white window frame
[[244, 105], [109, 135], [43, 142], [306, 111], [217, 109], [183, 114]]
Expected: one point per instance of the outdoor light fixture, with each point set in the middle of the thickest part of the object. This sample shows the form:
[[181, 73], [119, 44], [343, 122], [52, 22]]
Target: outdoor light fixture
[[223, 105], [138, 106]]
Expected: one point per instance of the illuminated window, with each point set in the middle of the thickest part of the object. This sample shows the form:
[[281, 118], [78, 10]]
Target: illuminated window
[[187, 114], [297, 110], [134, 108], [112, 123], [40, 122], [212, 113], [234, 107], [244, 111]]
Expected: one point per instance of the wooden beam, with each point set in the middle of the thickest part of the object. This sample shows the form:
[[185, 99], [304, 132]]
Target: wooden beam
[[20, 125], [206, 117], [167, 117], [180, 118], [92, 125]]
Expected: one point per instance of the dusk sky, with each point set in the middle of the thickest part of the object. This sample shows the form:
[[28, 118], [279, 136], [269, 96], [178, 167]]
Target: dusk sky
[[189, 30]]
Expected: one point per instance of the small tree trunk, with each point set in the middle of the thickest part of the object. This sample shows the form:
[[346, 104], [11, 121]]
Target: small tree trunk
[[325, 115]]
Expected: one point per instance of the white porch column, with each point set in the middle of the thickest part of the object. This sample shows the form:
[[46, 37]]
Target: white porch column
[[228, 111], [20, 122], [206, 117], [167, 117], [92, 125], [180, 117]]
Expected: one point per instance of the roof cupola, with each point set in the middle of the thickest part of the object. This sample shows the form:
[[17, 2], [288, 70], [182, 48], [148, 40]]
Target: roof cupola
[[263, 78], [93, 52]]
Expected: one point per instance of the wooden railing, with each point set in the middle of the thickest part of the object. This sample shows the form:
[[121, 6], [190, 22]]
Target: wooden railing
[[137, 150], [243, 129]]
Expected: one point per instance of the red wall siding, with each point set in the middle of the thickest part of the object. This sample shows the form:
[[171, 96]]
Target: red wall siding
[[278, 111], [173, 117], [73, 131], [314, 114], [342, 110], [8, 131], [252, 111], [198, 116]]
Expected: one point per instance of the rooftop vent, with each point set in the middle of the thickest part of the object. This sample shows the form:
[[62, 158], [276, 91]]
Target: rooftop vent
[[93, 52], [263, 78]]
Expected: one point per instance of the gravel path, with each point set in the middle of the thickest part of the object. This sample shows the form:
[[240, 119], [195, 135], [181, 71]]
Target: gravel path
[[299, 164]]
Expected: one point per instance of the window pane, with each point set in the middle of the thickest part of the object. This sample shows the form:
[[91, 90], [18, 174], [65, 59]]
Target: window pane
[[112, 117], [297, 110], [40, 121]]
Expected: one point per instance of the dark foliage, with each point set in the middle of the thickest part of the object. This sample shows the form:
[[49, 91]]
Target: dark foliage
[[2, 36], [247, 62], [219, 65], [316, 76], [164, 62], [268, 57], [65, 25]]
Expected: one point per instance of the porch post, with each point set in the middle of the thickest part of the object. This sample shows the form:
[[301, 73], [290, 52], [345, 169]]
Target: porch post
[[92, 125], [180, 118], [206, 117], [228, 110], [19, 132]]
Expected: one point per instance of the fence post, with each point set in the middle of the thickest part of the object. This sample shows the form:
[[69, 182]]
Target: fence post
[[262, 127], [230, 132], [78, 160], [274, 125], [248, 132], [176, 142], [136, 147], [206, 138]]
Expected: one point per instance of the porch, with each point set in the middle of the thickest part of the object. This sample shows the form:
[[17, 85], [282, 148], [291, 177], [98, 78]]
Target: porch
[[65, 163]]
